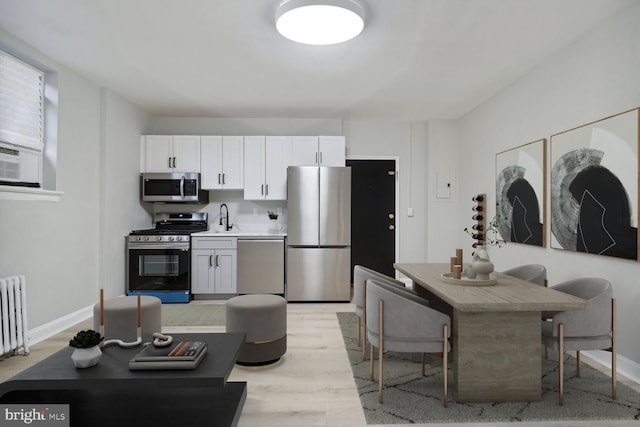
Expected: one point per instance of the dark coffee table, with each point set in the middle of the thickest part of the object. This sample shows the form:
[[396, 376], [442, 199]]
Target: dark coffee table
[[109, 394]]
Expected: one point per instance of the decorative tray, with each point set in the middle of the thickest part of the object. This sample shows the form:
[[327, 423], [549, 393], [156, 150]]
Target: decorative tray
[[465, 281]]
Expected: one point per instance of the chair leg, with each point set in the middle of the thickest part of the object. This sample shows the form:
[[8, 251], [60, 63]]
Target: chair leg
[[561, 363], [359, 331], [445, 360], [364, 321], [613, 349], [578, 364], [422, 361], [371, 363], [380, 350]]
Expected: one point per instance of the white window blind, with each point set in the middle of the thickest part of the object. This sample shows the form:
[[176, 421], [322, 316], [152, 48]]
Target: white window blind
[[21, 109]]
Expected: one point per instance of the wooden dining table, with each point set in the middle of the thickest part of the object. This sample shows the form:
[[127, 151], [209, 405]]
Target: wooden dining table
[[496, 331]]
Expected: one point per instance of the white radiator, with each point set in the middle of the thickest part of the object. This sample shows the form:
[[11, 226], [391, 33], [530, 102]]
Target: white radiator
[[13, 316]]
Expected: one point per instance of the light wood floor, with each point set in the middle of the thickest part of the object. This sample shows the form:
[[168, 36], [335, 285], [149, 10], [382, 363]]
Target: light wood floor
[[311, 386]]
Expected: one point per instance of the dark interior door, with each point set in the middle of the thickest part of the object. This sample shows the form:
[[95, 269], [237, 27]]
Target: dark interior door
[[373, 216]]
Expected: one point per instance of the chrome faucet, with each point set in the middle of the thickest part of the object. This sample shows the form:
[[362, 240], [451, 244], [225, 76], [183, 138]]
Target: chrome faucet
[[227, 227]]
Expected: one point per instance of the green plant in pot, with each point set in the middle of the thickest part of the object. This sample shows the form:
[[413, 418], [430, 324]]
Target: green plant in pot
[[86, 339], [87, 348], [273, 218]]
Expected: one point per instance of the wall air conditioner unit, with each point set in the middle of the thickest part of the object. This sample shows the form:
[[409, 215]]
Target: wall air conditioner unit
[[9, 164], [20, 166]]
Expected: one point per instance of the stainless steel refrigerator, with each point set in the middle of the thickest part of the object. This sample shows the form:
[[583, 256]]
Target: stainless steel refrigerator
[[318, 233]]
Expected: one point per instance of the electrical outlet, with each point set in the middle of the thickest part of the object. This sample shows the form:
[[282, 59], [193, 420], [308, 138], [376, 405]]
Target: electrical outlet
[[409, 211]]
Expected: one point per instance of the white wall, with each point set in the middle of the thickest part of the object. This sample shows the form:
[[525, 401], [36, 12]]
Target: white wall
[[121, 210], [442, 160], [594, 78], [243, 126], [61, 247]]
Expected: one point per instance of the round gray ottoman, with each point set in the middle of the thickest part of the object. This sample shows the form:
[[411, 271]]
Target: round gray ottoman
[[121, 317], [264, 319]]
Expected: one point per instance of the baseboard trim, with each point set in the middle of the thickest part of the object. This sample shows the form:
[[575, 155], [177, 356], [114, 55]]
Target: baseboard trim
[[50, 329], [624, 366]]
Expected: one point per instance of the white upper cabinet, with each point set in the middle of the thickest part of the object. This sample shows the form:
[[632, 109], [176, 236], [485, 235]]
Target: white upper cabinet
[[278, 159], [304, 151], [318, 151], [171, 153], [266, 162], [222, 162], [332, 150]]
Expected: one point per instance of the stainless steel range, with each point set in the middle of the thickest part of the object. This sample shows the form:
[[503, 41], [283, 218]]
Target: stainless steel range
[[158, 260]]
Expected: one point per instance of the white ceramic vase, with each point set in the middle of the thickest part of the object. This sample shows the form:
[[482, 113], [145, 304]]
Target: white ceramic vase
[[86, 357], [481, 264], [273, 225]]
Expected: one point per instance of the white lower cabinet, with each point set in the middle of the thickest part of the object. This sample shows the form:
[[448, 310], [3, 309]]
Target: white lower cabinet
[[214, 265]]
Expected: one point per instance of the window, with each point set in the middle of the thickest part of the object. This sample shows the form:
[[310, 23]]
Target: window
[[21, 123]]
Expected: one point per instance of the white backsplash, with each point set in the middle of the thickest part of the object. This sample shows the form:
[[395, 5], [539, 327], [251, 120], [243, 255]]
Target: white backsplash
[[246, 215]]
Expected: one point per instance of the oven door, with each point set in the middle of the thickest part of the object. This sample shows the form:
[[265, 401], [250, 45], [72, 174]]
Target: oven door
[[152, 267]]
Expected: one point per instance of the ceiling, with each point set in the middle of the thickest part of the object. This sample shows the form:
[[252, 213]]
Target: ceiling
[[415, 60]]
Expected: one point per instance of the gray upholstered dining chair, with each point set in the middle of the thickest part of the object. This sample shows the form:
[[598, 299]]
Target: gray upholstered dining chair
[[590, 329], [360, 276], [534, 273], [403, 322]]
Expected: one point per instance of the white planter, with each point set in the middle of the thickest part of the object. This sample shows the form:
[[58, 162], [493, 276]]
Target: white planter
[[86, 357], [274, 226]]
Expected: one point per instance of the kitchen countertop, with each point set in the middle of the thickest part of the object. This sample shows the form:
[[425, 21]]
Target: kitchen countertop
[[241, 234]]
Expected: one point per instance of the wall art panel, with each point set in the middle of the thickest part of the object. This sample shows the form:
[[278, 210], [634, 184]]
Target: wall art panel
[[520, 193], [594, 187]]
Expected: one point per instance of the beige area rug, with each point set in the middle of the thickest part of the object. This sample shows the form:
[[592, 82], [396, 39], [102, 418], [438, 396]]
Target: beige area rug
[[410, 398], [193, 314]]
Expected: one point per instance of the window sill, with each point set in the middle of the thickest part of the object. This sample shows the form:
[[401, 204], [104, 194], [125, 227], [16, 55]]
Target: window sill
[[8, 192]]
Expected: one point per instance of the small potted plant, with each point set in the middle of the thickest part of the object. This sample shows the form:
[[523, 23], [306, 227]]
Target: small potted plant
[[86, 346], [273, 217]]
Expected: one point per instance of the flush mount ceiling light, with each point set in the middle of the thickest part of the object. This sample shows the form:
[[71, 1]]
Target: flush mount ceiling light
[[319, 22]]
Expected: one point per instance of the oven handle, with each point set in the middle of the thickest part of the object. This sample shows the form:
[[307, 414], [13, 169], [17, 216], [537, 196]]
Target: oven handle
[[181, 247], [182, 187]]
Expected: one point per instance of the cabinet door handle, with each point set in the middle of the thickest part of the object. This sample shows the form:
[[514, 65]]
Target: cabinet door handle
[[223, 179], [210, 260], [217, 263], [169, 162], [262, 190], [266, 192], [321, 157], [174, 162], [219, 179], [316, 158]]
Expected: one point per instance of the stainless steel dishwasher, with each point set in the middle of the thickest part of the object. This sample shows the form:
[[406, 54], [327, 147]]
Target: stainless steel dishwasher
[[261, 266]]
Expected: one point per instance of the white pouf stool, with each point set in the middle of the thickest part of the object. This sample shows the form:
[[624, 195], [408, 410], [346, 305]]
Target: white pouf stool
[[121, 317], [264, 319]]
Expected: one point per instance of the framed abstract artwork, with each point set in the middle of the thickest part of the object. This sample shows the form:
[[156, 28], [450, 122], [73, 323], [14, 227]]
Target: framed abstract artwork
[[520, 193], [594, 187]]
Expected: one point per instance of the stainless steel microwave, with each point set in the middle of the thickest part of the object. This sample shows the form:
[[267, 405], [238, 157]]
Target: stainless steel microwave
[[172, 188]]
